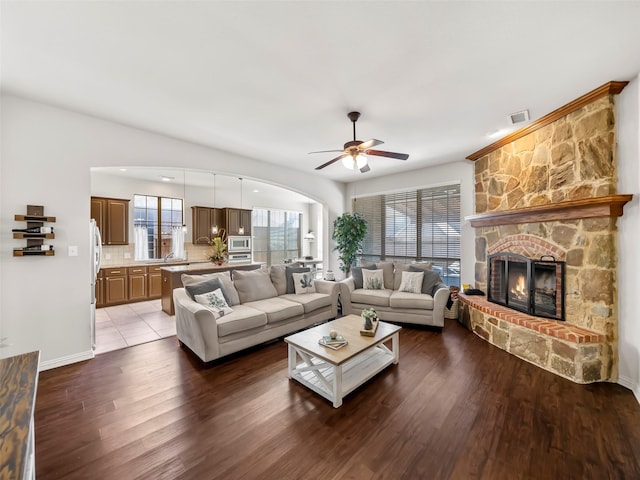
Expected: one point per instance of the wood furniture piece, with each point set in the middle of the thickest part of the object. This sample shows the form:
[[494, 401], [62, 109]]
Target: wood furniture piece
[[19, 381], [333, 374], [202, 220], [155, 282], [112, 219], [234, 218], [138, 283], [115, 286], [171, 278], [100, 299], [35, 218]]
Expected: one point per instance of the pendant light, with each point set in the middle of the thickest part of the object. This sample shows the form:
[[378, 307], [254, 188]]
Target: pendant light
[[241, 229], [309, 236], [184, 200], [214, 228]]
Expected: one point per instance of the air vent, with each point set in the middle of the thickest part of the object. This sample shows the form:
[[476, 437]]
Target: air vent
[[519, 117]]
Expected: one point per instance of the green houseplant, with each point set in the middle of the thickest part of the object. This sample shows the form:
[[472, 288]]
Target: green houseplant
[[219, 251], [349, 230]]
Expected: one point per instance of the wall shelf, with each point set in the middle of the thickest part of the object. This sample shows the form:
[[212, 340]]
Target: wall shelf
[[35, 218]]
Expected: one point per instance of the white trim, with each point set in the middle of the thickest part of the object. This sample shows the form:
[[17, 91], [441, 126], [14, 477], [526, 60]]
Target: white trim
[[631, 385], [68, 360]]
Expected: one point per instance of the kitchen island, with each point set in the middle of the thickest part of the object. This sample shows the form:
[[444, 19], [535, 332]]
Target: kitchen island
[[172, 277]]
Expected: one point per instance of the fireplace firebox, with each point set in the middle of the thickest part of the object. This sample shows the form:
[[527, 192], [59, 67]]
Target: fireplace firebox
[[535, 287]]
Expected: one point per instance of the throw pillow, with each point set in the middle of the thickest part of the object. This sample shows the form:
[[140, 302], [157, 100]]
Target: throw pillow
[[206, 287], [372, 279], [397, 274], [356, 273], [215, 302], [303, 283], [253, 285], [289, 274], [230, 291], [411, 282], [430, 279]]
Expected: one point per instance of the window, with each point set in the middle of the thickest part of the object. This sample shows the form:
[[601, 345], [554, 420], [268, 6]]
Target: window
[[157, 224], [276, 235], [421, 225]]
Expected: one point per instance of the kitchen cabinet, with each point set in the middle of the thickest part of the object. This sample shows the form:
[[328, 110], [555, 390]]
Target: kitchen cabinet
[[100, 300], [155, 282], [137, 280], [112, 218], [236, 218], [203, 218], [115, 286]]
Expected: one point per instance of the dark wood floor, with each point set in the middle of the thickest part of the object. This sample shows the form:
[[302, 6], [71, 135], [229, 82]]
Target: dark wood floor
[[454, 408]]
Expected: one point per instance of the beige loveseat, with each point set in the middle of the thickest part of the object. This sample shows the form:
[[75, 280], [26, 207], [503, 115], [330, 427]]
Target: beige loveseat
[[392, 304], [263, 309]]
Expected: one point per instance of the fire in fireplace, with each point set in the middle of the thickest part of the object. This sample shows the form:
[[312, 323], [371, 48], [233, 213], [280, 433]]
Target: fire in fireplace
[[531, 286]]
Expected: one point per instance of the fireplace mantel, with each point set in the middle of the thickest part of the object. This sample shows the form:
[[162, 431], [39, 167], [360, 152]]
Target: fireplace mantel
[[608, 206]]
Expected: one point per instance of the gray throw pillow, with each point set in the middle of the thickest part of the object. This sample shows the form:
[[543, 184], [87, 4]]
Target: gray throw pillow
[[356, 273], [206, 287], [253, 285], [437, 287], [431, 279], [291, 288]]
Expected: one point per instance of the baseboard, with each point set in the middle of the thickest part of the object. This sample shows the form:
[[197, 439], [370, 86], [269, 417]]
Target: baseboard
[[631, 385], [68, 360]]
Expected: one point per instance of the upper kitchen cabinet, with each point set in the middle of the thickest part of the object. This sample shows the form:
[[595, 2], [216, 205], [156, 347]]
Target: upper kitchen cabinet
[[236, 218], [112, 218], [203, 219]]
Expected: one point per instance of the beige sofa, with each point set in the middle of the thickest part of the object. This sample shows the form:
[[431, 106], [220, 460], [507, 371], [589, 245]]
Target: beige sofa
[[424, 308], [262, 310]]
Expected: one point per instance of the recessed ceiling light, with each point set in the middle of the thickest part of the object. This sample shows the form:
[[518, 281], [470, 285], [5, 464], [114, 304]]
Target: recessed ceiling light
[[123, 169], [167, 179], [256, 191]]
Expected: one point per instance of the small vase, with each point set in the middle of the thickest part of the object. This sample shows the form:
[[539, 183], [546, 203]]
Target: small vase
[[368, 325]]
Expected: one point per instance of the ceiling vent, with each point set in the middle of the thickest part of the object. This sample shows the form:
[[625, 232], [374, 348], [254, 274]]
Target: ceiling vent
[[519, 117]]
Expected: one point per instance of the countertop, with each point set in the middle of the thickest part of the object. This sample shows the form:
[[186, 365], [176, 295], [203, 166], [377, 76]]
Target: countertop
[[155, 264], [194, 267]]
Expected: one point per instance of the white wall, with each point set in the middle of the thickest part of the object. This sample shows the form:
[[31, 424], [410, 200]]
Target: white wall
[[459, 172], [47, 153], [628, 125]]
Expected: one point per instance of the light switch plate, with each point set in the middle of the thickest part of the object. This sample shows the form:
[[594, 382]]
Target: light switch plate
[[73, 251]]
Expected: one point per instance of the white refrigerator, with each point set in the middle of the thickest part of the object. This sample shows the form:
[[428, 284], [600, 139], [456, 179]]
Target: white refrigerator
[[96, 257]]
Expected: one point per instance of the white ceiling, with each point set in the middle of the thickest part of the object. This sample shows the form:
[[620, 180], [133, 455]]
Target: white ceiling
[[275, 80]]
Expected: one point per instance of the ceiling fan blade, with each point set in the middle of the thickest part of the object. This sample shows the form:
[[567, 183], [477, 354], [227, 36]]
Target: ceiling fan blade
[[380, 153], [370, 143], [365, 169], [330, 162], [327, 151]]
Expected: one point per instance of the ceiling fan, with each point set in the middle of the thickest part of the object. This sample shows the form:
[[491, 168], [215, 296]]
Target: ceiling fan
[[354, 151]]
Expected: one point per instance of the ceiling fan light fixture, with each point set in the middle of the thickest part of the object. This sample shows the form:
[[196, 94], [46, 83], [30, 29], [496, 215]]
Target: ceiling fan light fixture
[[348, 162], [361, 160]]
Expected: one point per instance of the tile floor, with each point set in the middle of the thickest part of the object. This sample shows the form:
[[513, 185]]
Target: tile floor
[[122, 326]]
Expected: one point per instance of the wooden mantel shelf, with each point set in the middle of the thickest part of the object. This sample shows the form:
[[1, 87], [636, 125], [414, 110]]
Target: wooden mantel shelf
[[609, 206]]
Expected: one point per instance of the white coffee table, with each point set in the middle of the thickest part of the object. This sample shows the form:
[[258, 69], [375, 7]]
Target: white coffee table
[[335, 373]]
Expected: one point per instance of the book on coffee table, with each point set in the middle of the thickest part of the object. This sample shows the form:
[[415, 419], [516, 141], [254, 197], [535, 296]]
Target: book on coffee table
[[335, 345]]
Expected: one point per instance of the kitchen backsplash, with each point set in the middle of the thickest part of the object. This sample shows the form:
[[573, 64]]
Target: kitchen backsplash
[[119, 255]]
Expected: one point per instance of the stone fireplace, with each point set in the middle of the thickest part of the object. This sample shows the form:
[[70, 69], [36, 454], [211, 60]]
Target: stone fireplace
[[547, 193]]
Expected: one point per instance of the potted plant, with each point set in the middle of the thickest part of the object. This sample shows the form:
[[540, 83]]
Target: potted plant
[[219, 251], [349, 230]]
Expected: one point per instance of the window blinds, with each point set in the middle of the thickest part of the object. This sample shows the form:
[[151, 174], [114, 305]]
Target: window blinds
[[420, 225]]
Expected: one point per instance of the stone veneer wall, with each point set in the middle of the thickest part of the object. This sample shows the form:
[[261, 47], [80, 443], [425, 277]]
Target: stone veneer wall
[[570, 159]]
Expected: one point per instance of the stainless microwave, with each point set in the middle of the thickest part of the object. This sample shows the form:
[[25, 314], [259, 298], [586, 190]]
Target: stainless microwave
[[239, 244]]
